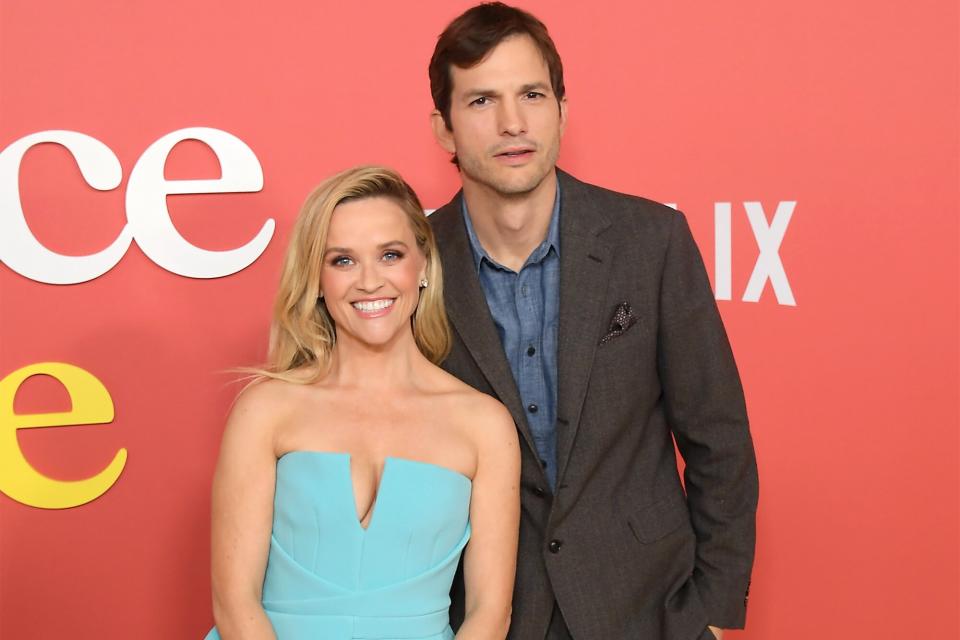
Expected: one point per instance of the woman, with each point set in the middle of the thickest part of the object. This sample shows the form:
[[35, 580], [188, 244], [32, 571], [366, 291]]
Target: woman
[[353, 472]]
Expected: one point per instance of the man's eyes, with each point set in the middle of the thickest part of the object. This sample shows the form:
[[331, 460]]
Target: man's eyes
[[485, 100]]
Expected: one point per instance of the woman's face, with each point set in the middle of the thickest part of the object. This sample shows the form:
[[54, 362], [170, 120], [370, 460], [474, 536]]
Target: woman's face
[[372, 267]]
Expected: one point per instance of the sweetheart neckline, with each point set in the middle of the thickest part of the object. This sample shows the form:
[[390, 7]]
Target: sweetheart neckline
[[375, 503], [349, 455]]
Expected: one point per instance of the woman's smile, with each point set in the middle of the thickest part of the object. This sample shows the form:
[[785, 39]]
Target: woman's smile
[[373, 308]]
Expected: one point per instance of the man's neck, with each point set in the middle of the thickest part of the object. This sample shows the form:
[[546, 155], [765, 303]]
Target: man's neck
[[510, 227]]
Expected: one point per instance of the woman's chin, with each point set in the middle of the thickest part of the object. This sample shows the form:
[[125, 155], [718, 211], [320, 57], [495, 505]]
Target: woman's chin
[[374, 339]]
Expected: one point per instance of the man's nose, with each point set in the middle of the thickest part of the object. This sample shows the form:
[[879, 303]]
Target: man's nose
[[512, 122]]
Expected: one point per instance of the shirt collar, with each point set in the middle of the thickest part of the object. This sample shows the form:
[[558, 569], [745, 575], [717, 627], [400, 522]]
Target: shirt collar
[[552, 241]]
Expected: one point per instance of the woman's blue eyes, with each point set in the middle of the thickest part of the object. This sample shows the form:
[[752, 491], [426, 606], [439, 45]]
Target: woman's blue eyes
[[346, 261]]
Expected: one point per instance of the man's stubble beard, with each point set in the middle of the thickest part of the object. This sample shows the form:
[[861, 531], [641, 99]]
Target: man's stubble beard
[[500, 183]]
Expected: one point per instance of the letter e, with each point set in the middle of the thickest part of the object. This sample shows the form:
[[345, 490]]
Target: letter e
[[91, 405], [149, 217]]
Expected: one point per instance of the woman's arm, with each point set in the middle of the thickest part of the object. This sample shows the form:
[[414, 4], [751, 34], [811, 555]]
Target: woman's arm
[[243, 488], [490, 560]]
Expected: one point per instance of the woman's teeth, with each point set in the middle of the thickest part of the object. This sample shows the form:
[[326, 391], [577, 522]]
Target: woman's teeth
[[373, 305]]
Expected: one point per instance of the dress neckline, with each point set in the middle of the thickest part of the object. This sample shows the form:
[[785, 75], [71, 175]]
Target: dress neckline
[[349, 455], [387, 462]]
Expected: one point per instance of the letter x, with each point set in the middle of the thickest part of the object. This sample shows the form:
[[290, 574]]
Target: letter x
[[769, 266]]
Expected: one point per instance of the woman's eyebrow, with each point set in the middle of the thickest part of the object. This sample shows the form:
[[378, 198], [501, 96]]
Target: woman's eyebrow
[[383, 245]]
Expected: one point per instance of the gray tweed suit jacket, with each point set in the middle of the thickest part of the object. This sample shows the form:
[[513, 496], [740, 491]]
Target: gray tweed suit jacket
[[624, 547]]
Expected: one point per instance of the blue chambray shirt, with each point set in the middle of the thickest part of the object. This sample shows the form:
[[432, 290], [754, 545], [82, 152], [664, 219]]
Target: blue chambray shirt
[[526, 310]]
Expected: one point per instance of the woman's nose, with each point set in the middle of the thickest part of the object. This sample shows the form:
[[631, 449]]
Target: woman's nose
[[370, 279]]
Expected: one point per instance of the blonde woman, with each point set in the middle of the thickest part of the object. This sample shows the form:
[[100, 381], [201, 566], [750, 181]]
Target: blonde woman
[[354, 471]]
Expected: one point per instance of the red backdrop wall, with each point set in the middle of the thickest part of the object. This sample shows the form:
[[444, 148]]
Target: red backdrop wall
[[849, 109]]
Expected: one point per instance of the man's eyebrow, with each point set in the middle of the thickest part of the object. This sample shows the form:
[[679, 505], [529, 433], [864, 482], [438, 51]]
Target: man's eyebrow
[[535, 86], [473, 93], [530, 86]]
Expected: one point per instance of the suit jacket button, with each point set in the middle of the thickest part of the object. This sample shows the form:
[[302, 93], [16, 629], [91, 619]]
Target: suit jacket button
[[539, 492], [555, 545]]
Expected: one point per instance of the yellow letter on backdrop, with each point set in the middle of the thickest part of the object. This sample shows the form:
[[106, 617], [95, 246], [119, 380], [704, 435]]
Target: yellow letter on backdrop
[[91, 405]]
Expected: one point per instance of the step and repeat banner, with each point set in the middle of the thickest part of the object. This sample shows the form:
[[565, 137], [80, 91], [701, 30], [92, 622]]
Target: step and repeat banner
[[153, 157]]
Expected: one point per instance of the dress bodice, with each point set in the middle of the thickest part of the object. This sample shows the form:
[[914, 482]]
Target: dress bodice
[[329, 577]]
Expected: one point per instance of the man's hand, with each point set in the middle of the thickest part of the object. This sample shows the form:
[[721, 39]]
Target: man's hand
[[716, 631]]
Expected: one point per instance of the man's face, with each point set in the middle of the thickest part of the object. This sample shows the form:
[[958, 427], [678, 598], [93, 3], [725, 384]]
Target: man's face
[[505, 118]]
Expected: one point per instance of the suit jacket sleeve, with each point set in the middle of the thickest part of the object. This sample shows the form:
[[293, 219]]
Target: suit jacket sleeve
[[705, 408]]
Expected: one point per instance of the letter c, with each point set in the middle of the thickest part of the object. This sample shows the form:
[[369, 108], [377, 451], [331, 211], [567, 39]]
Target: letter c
[[91, 405], [19, 248]]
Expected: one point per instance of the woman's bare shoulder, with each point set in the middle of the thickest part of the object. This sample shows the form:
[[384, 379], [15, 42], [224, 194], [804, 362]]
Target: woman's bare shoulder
[[262, 407], [480, 415], [488, 424], [488, 410], [263, 393]]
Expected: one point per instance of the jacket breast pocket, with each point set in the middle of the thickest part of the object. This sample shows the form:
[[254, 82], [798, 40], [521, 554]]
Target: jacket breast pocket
[[621, 332], [655, 521]]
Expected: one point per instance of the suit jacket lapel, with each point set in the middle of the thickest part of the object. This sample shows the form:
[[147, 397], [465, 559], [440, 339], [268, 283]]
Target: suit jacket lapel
[[469, 314], [584, 267]]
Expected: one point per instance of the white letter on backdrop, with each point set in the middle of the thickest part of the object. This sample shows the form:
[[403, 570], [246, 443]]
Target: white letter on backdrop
[[19, 248], [768, 264], [149, 218], [722, 251]]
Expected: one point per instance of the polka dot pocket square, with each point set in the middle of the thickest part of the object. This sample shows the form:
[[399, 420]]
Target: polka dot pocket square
[[622, 320]]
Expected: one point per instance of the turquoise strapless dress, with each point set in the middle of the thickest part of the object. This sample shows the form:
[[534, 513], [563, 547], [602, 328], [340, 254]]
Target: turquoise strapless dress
[[329, 578]]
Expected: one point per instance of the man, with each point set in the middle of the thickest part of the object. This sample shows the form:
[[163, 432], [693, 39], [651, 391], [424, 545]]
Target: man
[[590, 316]]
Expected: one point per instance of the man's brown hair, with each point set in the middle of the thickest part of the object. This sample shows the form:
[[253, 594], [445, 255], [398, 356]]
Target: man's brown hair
[[470, 37]]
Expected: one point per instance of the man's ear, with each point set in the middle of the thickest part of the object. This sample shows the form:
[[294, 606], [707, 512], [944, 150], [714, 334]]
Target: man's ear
[[443, 135], [563, 114]]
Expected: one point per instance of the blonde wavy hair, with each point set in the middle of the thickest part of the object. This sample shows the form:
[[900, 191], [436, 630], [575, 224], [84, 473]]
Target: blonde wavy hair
[[303, 335]]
